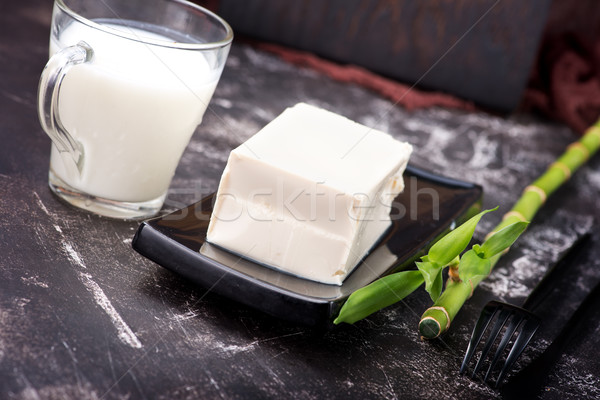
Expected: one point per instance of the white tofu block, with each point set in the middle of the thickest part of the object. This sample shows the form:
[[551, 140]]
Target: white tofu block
[[309, 194]]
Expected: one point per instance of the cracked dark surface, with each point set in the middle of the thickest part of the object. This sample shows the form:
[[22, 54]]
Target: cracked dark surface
[[83, 316]]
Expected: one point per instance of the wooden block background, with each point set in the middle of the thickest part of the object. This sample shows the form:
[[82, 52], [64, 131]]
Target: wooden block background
[[479, 50]]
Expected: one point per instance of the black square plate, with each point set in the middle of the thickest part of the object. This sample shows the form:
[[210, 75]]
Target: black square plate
[[429, 206]]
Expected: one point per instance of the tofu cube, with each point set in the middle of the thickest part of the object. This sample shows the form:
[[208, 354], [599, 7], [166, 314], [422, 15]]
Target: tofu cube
[[309, 194]]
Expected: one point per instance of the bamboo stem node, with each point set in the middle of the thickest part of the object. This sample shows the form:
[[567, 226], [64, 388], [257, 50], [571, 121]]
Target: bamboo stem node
[[593, 130], [537, 190], [563, 167], [579, 146], [513, 213], [443, 310], [453, 274]]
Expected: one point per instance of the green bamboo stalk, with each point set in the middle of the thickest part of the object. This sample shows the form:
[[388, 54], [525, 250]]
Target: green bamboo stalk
[[436, 319]]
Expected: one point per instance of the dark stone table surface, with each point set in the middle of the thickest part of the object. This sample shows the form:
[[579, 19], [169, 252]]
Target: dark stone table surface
[[83, 316]]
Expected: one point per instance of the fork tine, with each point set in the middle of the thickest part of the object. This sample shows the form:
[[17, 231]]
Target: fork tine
[[510, 330], [484, 319], [503, 315], [529, 328]]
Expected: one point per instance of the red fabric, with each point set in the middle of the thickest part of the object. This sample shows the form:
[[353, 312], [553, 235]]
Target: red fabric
[[571, 92], [565, 83], [401, 94]]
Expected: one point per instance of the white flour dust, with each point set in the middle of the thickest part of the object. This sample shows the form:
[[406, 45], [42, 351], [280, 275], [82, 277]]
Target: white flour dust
[[124, 332]]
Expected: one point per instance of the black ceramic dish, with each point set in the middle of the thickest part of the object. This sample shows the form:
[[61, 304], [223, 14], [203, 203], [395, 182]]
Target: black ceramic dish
[[429, 206]]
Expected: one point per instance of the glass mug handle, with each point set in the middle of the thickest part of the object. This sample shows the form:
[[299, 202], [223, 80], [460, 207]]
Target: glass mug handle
[[48, 92]]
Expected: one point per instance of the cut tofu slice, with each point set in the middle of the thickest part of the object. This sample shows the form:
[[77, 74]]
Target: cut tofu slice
[[309, 194]]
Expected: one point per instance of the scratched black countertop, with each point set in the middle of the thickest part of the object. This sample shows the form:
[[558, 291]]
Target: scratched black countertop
[[83, 316]]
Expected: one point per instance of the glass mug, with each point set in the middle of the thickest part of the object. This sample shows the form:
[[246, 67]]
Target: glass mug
[[126, 86]]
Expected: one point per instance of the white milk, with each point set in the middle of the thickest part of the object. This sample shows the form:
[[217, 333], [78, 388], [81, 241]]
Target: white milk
[[133, 109]]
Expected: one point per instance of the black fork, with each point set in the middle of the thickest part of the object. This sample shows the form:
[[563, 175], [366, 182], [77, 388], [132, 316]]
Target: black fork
[[521, 320]]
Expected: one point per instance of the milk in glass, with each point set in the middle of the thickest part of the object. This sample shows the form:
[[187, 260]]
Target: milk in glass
[[133, 108]]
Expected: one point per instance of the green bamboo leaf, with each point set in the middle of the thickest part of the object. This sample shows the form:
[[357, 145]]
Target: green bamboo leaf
[[432, 275], [436, 288], [472, 264], [502, 239], [451, 245], [379, 294]]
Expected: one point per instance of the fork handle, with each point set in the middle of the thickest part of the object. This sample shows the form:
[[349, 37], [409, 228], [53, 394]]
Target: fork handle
[[528, 382], [556, 273]]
